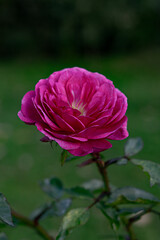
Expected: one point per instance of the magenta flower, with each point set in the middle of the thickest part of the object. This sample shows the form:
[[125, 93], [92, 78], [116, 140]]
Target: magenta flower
[[78, 109]]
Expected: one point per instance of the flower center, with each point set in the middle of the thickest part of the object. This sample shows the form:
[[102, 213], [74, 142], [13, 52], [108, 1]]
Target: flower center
[[80, 107]]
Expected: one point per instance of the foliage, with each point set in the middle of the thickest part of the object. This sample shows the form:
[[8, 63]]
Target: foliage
[[5, 211], [133, 146], [74, 218], [152, 168], [120, 206]]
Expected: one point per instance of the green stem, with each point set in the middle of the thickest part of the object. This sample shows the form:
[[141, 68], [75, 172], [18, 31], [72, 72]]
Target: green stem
[[131, 235], [35, 225], [103, 171], [96, 200], [134, 219]]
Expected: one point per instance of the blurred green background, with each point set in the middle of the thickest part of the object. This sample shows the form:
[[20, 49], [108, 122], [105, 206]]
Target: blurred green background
[[120, 39]]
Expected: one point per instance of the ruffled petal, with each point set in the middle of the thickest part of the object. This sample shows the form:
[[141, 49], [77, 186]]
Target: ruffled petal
[[28, 113], [119, 134], [92, 146], [78, 109]]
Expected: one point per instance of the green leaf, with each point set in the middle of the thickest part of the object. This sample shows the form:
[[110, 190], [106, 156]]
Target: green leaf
[[122, 161], [53, 187], [111, 214], [74, 218], [79, 192], [93, 185], [131, 194], [64, 155], [60, 208], [152, 168], [40, 211], [57, 208], [133, 146], [128, 211], [5, 211], [3, 236]]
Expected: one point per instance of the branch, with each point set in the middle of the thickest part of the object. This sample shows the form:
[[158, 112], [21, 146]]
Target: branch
[[35, 225], [131, 235], [112, 161], [102, 195], [155, 212], [86, 162], [37, 218], [133, 219], [102, 170], [115, 160]]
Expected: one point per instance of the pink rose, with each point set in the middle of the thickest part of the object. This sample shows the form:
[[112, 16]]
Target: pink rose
[[78, 109]]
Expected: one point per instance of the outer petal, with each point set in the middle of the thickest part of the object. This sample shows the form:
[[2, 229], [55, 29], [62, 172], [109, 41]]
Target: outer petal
[[120, 107], [119, 134], [60, 138], [90, 147], [95, 132], [41, 82], [67, 145], [78, 109], [28, 113]]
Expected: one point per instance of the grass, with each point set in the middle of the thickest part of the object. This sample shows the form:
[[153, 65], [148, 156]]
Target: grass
[[24, 160]]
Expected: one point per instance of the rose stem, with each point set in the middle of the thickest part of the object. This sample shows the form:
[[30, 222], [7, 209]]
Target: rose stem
[[131, 235], [133, 219], [103, 171], [96, 200], [128, 226], [35, 225]]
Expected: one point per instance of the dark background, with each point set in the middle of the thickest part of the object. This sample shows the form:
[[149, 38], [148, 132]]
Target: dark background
[[77, 27]]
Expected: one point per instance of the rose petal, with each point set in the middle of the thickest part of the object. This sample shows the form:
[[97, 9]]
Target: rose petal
[[78, 109], [95, 132], [119, 134], [28, 113], [90, 147]]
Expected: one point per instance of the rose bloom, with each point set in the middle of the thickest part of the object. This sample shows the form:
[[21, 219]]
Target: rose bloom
[[78, 109]]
